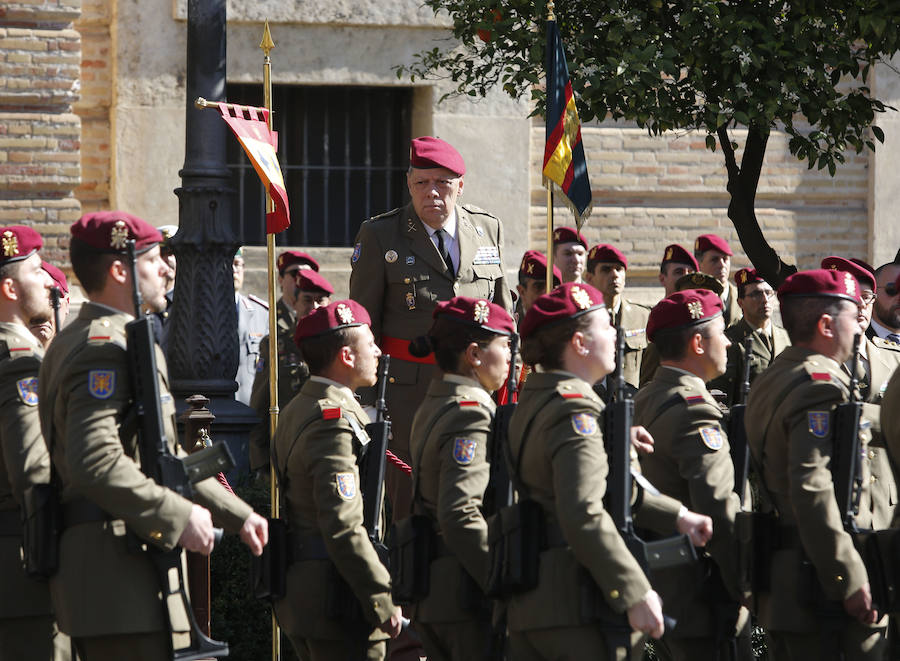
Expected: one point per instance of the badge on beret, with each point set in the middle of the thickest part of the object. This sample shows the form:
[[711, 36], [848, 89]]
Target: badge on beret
[[712, 438], [529, 267], [556, 235], [390, 256], [464, 451], [481, 312], [346, 485], [10, 244], [118, 235], [584, 424], [818, 422], [696, 309], [581, 298], [668, 255], [356, 250], [102, 383], [344, 314], [850, 284], [28, 390]]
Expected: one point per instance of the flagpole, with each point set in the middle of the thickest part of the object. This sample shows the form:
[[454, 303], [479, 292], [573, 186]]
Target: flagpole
[[550, 17], [267, 45]]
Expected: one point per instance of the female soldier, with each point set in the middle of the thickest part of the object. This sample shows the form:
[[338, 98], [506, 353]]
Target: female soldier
[[470, 340], [557, 448]]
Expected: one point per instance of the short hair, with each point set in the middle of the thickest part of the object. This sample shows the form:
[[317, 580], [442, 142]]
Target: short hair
[[545, 346], [320, 351], [799, 314], [672, 344], [449, 339], [91, 266], [10, 270], [883, 267]]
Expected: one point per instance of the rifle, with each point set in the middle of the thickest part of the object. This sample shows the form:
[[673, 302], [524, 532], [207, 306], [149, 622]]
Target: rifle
[[372, 463], [158, 463], [54, 302], [847, 471], [500, 489], [737, 433]]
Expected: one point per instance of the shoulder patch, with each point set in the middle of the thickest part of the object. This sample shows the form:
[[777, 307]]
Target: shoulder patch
[[818, 423], [27, 389], [820, 376], [357, 249], [464, 451], [712, 438], [331, 413], [102, 383], [346, 485], [584, 424]]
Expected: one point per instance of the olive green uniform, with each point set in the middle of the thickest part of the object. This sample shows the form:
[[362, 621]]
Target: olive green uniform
[[292, 374], [791, 438], [763, 348], [27, 626], [557, 441], [106, 594], [731, 311], [449, 445], [691, 462], [632, 317], [319, 438]]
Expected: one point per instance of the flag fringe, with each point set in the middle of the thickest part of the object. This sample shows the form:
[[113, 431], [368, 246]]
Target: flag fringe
[[580, 217]]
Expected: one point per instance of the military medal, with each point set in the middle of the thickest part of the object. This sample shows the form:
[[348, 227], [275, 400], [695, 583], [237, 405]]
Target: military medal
[[410, 300], [390, 256]]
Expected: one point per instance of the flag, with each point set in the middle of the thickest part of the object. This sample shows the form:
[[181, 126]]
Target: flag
[[261, 144], [565, 168]]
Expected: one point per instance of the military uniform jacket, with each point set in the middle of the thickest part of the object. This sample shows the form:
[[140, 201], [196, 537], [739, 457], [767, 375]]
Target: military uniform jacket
[[253, 326], [632, 317], [556, 439], [315, 452], [449, 445], [732, 312], [103, 587], [762, 351], [890, 417], [789, 429], [691, 462], [24, 462]]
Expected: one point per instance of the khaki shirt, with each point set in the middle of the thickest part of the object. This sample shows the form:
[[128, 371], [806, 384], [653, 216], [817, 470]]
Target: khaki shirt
[[632, 317], [762, 352]]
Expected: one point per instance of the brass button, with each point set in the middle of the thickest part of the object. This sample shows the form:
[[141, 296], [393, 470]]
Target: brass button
[[390, 379], [614, 594], [871, 454], [839, 578], [104, 323], [405, 281], [873, 479], [157, 535]]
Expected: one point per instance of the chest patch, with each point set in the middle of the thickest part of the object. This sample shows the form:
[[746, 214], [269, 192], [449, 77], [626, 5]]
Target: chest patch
[[102, 383], [464, 451], [584, 424], [346, 485], [712, 438], [818, 423], [27, 389], [486, 255]]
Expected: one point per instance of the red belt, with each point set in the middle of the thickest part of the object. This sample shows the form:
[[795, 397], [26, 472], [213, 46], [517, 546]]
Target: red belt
[[399, 348]]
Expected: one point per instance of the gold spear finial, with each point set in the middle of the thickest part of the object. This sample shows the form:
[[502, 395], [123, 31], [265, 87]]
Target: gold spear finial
[[550, 7], [266, 44]]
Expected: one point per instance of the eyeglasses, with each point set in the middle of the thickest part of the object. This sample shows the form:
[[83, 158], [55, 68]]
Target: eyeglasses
[[761, 293], [890, 289], [867, 296]]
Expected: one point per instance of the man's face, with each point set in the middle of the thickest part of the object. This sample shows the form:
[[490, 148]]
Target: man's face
[[571, 259], [609, 278], [715, 263], [670, 274], [845, 326], [530, 292], [288, 284], [601, 345], [757, 303], [33, 285], [366, 353], [308, 301], [865, 310], [715, 356], [237, 272], [168, 256], [887, 307], [152, 272], [434, 192]]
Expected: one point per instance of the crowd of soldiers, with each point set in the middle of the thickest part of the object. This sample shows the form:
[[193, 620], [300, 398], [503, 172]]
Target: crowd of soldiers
[[428, 287]]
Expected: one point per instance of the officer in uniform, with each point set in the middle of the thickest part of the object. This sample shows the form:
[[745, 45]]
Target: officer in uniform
[[407, 260], [312, 290], [691, 462], [606, 267], [45, 331], [890, 409], [793, 442], [756, 299], [161, 318], [106, 593], [27, 626], [886, 313], [570, 253], [533, 280], [252, 327], [338, 601], [556, 443], [675, 263], [714, 258], [449, 445]]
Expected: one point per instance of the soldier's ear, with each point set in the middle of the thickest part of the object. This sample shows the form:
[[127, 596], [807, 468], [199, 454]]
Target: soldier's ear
[[118, 272], [8, 289]]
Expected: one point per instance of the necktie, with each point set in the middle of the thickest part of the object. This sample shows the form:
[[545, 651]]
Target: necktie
[[445, 254]]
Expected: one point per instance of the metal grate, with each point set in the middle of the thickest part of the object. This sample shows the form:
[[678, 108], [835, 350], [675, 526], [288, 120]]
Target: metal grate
[[343, 152]]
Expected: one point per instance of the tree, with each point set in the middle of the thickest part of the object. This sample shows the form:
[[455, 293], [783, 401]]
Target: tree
[[707, 65]]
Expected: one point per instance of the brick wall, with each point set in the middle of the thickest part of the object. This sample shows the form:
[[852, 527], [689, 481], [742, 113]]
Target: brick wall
[[97, 70]]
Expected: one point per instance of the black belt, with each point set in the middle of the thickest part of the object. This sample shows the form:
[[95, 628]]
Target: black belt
[[81, 511], [10, 523], [306, 547]]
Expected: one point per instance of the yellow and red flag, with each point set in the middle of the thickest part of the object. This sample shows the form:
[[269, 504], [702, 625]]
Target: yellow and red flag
[[250, 126]]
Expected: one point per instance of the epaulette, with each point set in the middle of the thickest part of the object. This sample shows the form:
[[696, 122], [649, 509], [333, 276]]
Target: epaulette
[[471, 208], [330, 412], [883, 343], [101, 331], [15, 348], [469, 402], [392, 212], [258, 301], [567, 391]]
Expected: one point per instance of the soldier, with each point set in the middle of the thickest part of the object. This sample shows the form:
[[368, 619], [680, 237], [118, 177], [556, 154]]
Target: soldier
[[106, 593], [407, 260], [161, 318], [338, 591], [606, 267], [556, 441], [793, 443], [714, 258], [533, 280], [27, 626], [691, 462], [449, 444], [45, 331], [756, 299], [252, 327], [570, 253], [886, 314], [675, 263], [312, 291], [890, 411]]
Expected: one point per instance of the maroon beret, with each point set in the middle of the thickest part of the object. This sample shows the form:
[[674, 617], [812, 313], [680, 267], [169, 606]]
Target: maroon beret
[[568, 235], [747, 277], [675, 253], [59, 278], [682, 310], [329, 318], [18, 242], [706, 242], [821, 282], [568, 301], [427, 152], [291, 257], [863, 274], [605, 253], [109, 231], [309, 280], [477, 312], [534, 265], [698, 280]]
